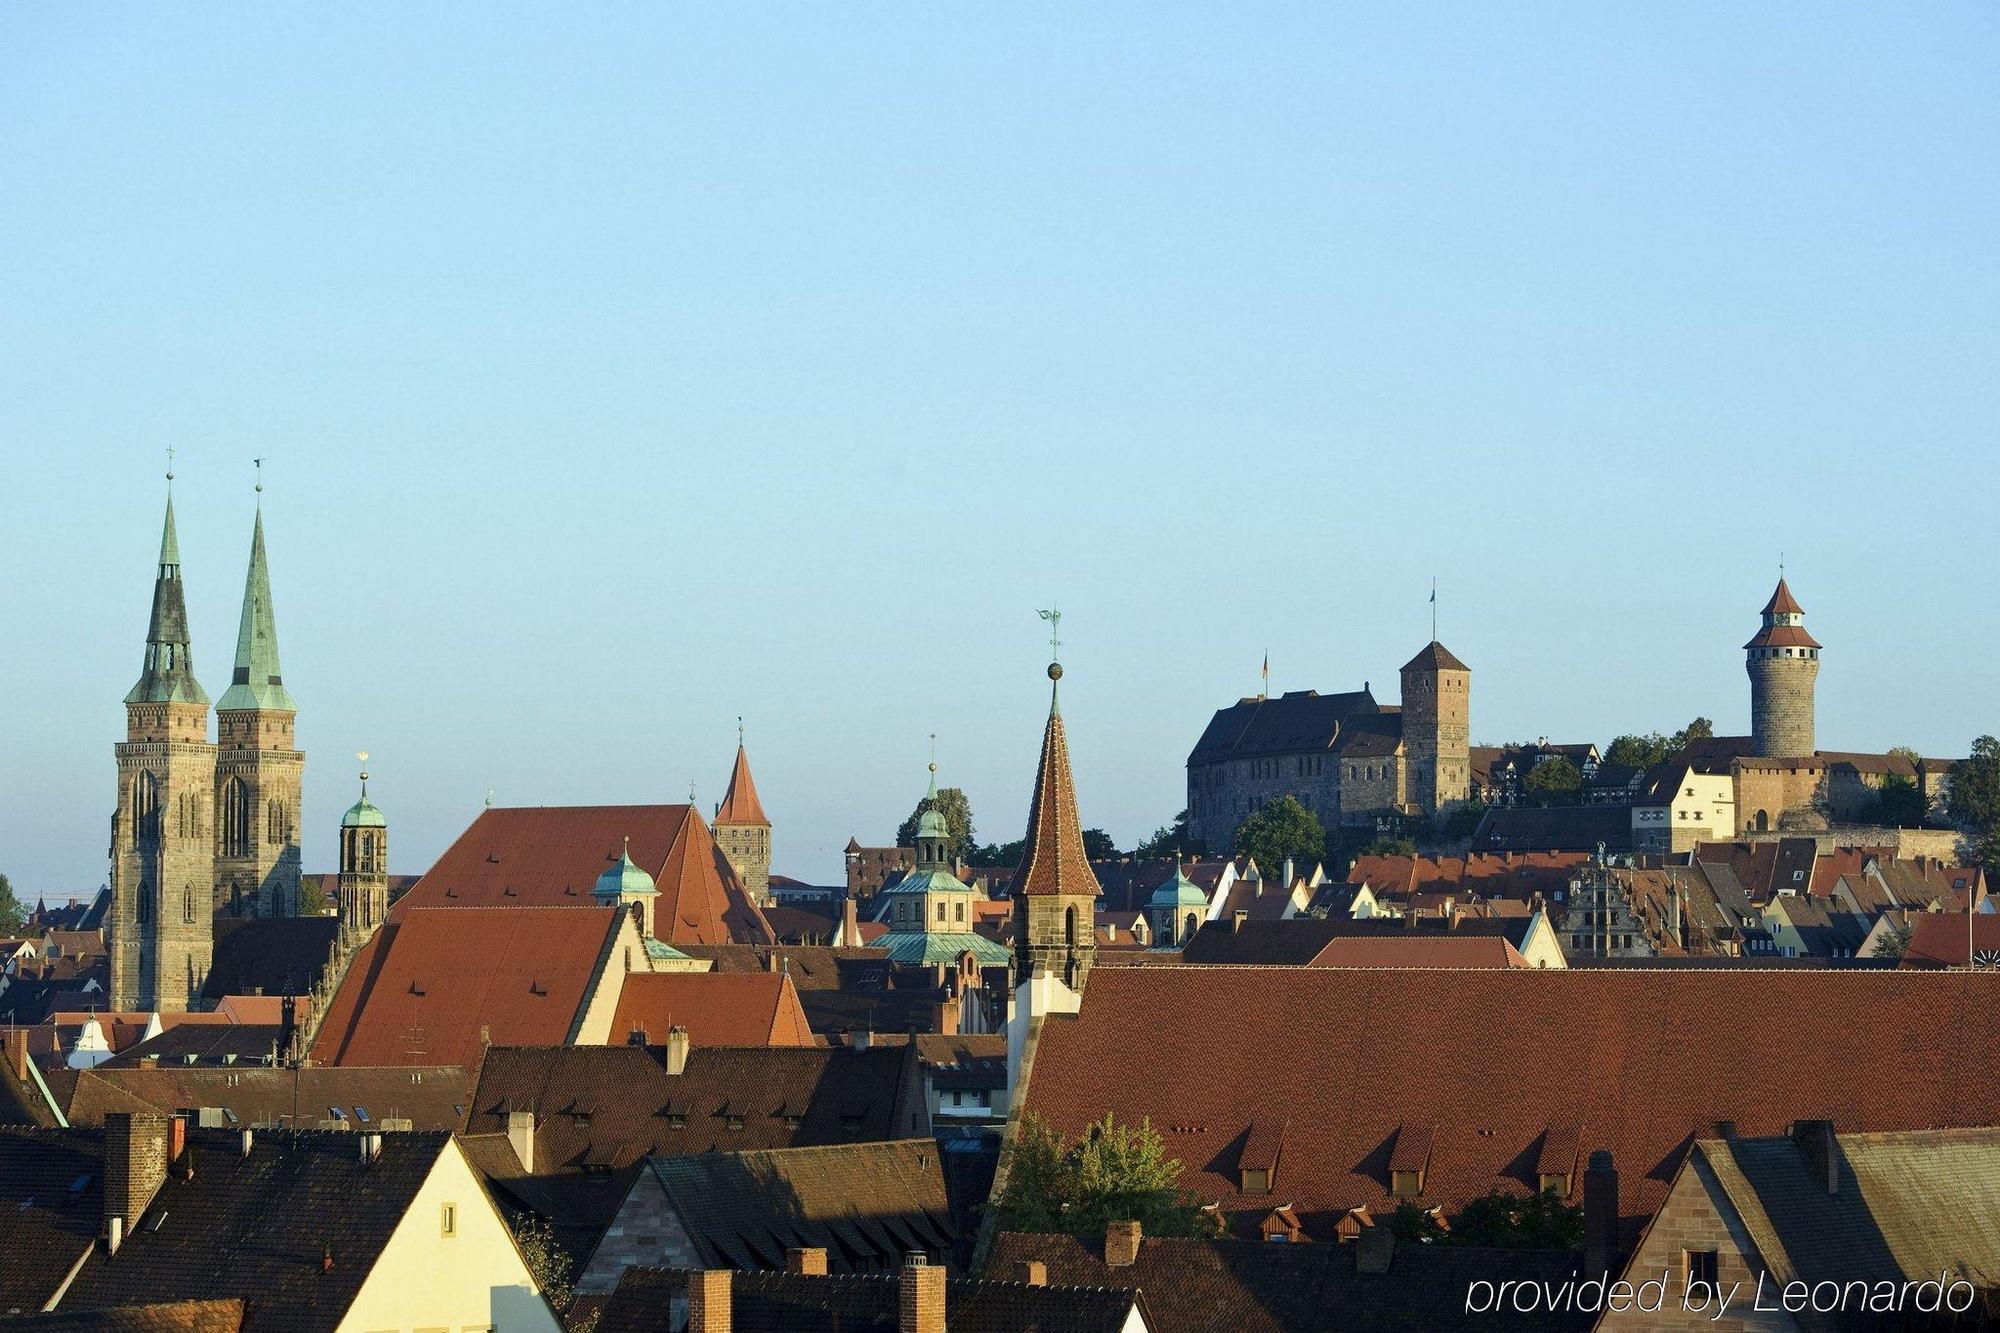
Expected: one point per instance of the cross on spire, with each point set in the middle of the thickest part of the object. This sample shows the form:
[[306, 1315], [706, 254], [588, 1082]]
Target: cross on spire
[[1054, 618]]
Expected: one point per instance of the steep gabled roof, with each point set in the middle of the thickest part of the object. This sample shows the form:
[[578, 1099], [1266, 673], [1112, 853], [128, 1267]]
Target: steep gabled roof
[[1052, 858], [1511, 1053], [609, 1106], [1782, 602], [866, 1204], [740, 804], [258, 1096], [551, 856], [433, 985], [716, 1008], [259, 1226], [1299, 720]]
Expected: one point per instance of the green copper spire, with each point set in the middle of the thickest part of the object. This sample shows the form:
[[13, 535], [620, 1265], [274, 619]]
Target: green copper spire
[[168, 673], [257, 682]]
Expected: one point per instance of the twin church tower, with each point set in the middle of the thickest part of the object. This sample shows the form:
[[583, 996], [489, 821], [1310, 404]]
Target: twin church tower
[[203, 828]]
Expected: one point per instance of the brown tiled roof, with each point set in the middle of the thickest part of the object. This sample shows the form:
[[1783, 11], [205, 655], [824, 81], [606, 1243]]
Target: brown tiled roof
[[434, 984], [1053, 860], [1522, 1051], [866, 1204], [1782, 602], [197, 1316], [1783, 636], [716, 1008], [841, 990], [269, 955], [1227, 1286], [51, 1194], [1555, 828], [551, 856], [1434, 656], [609, 1106], [259, 1225], [1412, 949], [740, 804], [869, 1303], [1298, 720], [429, 1097], [1940, 939]]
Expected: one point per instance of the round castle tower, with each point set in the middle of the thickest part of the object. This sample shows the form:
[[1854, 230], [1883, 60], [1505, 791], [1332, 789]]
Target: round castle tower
[[1783, 662]]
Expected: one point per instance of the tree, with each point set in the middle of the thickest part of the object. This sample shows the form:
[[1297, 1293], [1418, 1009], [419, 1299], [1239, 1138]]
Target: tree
[[1098, 846], [998, 853], [1637, 751], [312, 897], [1463, 821], [1555, 777], [1415, 1226], [1895, 939], [1388, 847], [1170, 838], [553, 1269], [1519, 1222], [1110, 1173], [957, 812], [1900, 803], [1701, 729], [1282, 828], [13, 916], [1975, 787]]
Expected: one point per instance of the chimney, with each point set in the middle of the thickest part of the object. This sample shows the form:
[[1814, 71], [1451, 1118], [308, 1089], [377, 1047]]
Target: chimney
[[1373, 1249], [677, 1050], [811, 1260], [771, 961], [850, 924], [135, 1166], [521, 1137], [247, 1141], [1033, 1272], [1822, 1152], [371, 1148], [1288, 877], [1600, 1214], [923, 1296], [708, 1301], [1121, 1244], [862, 1039], [946, 1018], [1237, 918], [177, 1139]]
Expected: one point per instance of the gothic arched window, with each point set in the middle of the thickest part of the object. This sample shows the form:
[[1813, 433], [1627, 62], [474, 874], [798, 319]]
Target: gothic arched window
[[235, 817]]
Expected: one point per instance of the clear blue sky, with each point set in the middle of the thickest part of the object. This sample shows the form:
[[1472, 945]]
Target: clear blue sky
[[622, 369]]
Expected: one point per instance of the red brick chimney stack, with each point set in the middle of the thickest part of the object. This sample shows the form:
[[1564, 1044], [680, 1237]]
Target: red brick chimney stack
[[922, 1297], [810, 1260], [1121, 1244], [708, 1301]]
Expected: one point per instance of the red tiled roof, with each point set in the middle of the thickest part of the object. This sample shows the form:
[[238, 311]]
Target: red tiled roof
[[1783, 636], [551, 856], [1053, 860], [1434, 656], [1782, 602], [716, 1008], [1415, 950], [1492, 1060], [431, 981], [740, 804], [1939, 939]]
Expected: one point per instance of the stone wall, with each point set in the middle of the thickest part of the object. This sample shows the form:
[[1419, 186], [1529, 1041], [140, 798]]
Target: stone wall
[[1781, 704], [1693, 1219]]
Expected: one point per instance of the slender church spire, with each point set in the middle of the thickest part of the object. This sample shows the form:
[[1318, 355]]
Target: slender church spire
[[168, 673], [1053, 860], [257, 681]]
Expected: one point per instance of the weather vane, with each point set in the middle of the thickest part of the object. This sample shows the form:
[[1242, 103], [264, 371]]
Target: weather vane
[[739, 731], [260, 474], [170, 467], [1055, 624]]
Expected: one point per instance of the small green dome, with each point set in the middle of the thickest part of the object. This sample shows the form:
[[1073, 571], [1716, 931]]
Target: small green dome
[[363, 814], [1180, 891], [931, 825], [624, 880]]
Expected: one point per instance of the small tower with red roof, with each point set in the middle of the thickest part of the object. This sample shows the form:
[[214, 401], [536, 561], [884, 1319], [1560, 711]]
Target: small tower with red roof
[[743, 830], [1783, 662]]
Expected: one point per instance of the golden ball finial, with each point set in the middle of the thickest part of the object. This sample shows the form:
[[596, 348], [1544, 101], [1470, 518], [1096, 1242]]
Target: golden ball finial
[[1055, 671]]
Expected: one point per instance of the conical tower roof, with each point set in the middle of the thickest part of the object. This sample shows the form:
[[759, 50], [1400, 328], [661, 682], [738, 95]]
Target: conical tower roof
[[1782, 602], [257, 682], [740, 804], [1053, 860], [167, 675]]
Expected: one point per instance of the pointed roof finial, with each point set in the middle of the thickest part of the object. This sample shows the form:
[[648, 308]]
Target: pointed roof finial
[[739, 731], [170, 470], [362, 755], [489, 798], [1054, 617], [260, 481]]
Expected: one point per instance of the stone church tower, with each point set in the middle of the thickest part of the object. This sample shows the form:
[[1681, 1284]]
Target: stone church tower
[[363, 884], [161, 932], [1783, 662], [1437, 728], [257, 769], [1055, 894], [743, 830]]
